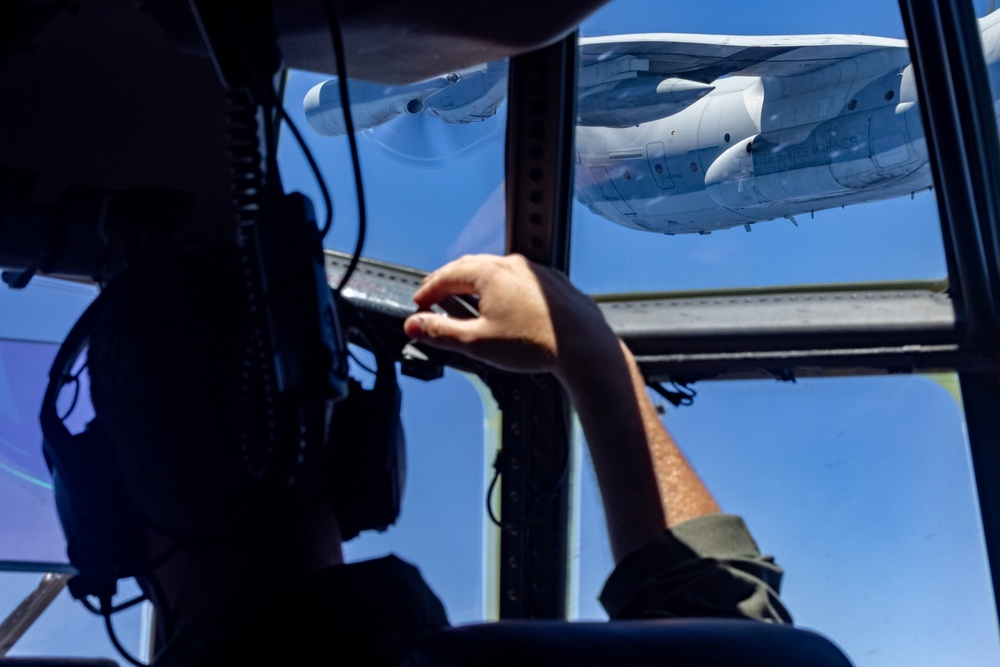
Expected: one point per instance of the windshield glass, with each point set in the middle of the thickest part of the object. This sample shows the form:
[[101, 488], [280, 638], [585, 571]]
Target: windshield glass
[[431, 157], [861, 489], [722, 145]]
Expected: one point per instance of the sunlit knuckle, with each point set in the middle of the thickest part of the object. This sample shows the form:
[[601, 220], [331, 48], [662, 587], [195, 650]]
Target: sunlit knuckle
[[517, 259]]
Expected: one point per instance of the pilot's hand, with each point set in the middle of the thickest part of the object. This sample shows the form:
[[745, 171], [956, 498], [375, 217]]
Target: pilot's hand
[[531, 318]]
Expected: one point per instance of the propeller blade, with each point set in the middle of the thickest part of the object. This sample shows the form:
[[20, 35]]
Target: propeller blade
[[420, 140]]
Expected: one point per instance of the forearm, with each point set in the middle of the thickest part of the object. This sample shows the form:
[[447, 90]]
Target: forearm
[[646, 483], [533, 320]]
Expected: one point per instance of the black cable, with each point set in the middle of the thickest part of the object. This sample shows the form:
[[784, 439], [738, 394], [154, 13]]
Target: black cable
[[360, 363], [106, 611], [345, 103], [254, 188], [128, 604], [499, 463], [489, 496], [162, 606], [263, 187], [273, 102], [314, 167], [112, 609], [75, 379]]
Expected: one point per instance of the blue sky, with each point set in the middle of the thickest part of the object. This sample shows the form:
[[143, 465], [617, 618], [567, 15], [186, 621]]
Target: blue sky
[[860, 487]]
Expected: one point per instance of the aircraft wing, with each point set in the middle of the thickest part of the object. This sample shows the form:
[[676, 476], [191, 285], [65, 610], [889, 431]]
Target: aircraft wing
[[705, 58], [468, 96], [631, 79], [624, 79]]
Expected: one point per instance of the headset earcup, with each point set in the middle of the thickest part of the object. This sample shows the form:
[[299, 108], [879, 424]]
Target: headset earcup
[[104, 537], [368, 452]]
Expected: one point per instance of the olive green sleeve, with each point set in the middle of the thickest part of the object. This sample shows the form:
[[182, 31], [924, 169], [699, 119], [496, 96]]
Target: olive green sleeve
[[709, 566]]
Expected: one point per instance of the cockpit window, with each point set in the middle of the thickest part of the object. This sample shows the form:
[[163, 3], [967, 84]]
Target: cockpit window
[[722, 149], [861, 488], [431, 153], [724, 146]]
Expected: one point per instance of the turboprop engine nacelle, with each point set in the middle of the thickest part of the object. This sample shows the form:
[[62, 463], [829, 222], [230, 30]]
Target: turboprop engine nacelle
[[466, 96], [472, 95], [843, 155], [371, 105]]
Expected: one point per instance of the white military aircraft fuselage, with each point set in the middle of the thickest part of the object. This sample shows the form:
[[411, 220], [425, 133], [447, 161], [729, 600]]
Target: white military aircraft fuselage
[[695, 133], [762, 147]]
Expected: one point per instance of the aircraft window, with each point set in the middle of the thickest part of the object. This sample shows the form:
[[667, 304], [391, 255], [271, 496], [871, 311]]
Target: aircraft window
[[829, 197], [29, 525], [432, 158], [443, 528], [434, 192], [66, 629], [861, 489], [43, 311], [35, 320]]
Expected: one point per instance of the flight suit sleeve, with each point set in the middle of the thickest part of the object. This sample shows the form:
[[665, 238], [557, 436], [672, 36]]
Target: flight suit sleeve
[[709, 566]]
